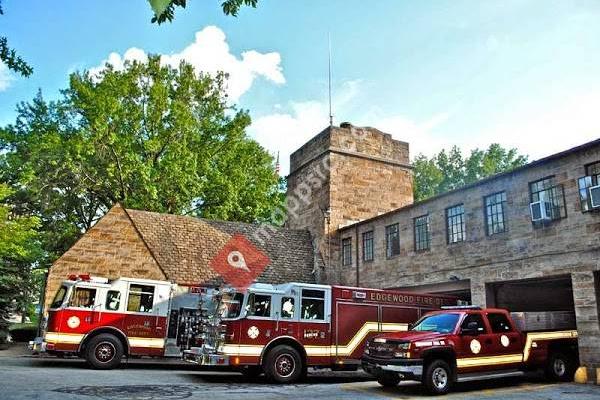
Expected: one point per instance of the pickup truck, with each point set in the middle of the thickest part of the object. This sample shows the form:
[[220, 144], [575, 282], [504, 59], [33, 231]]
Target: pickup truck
[[460, 344]]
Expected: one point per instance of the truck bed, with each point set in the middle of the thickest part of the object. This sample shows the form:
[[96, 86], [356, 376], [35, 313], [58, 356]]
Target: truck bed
[[544, 321]]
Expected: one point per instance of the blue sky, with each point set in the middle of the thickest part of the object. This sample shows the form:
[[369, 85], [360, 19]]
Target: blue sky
[[522, 73]]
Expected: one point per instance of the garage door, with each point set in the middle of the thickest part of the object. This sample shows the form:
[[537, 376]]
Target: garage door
[[544, 294]]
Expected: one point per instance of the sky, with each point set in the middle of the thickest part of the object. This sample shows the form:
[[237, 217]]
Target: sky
[[525, 74]]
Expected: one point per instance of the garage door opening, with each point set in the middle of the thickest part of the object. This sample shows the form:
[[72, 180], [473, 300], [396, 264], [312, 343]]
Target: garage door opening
[[532, 295], [457, 288]]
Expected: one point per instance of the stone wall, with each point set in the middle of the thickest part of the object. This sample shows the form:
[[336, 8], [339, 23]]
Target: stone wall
[[569, 246], [112, 249]]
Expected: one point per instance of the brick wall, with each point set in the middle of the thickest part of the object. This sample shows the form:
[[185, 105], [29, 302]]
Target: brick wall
[[112, 248]]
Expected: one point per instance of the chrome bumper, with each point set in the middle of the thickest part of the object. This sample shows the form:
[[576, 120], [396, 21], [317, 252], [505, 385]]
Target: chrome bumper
[[407, 369], [200, 356]]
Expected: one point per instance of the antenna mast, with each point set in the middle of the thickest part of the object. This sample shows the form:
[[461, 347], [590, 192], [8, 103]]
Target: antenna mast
[[330, 113]]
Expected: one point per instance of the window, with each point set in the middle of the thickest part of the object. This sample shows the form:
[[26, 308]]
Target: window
[[478, 319], [591, 178], [422, 235], [113, 300], [313, 304], [141, 298], [495, 215], [455, 223], [368, 246], [553, 195], [347, 251], [287, 307], [499, 323], [83, 298], [60, 296], [259, 305], [231, 305], [392, 240]]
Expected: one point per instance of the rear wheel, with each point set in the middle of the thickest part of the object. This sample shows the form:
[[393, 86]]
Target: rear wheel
[[388, 379], [438, 377], [560, 367], [104, 351], [283, 364]]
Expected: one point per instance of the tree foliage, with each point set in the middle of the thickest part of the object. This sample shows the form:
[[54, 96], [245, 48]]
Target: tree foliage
[[19, 248], [164, 10], [10, 58], [450, 170], [150, 136]]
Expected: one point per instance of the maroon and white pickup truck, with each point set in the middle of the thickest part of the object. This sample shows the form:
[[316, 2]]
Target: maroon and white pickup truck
[[461, 344]]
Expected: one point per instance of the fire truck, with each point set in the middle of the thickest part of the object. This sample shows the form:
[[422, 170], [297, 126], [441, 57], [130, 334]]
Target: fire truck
[[283, 329], [102, 320]]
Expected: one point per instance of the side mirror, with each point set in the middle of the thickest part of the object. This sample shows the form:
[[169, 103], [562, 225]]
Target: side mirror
[[470, 329]]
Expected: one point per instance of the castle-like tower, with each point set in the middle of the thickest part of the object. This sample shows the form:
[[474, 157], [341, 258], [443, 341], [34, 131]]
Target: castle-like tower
[[343, 175]]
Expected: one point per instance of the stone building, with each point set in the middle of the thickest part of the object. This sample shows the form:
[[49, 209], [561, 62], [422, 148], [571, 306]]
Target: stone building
[[477, 242], [140, 244]]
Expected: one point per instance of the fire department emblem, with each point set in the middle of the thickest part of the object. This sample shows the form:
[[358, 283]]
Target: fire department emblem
[[475, 346], [73, 322], [504, 340], [239, 262], [253, 332]]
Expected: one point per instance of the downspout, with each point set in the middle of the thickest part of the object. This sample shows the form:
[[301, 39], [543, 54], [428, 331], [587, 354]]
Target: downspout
[[357, 259]]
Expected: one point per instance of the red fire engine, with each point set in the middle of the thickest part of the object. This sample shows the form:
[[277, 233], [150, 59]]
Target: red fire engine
[[102, 321], [282, 329]]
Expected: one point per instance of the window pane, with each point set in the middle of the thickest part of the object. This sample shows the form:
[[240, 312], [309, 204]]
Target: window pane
[[287, 307], [499, 323], [495, 215], [478, 319], [313, 309], [368, 246], [141, 298], [422, 233], [113, 300], [83, 297], [347, 251], [259, 305], [455, 223], [60, 296], [392, 240]]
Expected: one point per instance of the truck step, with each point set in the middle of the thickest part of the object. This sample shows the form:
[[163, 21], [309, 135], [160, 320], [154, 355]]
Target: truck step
[[489, 375]]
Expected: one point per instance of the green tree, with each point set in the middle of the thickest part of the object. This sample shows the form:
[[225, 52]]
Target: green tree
[[448, 171], [164, 10], [9, 56], [19, 248], [150, 137]]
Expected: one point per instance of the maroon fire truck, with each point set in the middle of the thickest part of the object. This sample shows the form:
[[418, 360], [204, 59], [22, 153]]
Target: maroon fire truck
[[283, 329]]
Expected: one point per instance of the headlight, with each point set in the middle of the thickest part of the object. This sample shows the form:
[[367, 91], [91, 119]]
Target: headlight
[[402, 350]]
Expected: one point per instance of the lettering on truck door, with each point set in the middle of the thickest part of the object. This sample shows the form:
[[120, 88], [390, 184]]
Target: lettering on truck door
[[315, 324], [143, 325]]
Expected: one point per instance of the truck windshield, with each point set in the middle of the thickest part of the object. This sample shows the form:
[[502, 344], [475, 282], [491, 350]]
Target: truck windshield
[[59, 298], [231, 305], [442, 323]]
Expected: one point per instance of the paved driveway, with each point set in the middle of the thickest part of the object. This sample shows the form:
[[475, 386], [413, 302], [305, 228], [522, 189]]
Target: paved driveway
[[34, 378]]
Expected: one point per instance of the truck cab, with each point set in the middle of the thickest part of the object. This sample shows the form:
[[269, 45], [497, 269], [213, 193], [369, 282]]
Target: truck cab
[[460, 344]]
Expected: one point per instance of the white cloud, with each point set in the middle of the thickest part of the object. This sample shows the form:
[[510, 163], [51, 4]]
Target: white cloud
[[210, 53], [6, 77]]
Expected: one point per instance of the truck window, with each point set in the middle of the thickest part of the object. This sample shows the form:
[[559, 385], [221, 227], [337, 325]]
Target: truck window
[[442, 323], [83, 298], [231, 305], [259, 305], [313, 304], [499, 323], [287, 307], [141, 298], [59, 297], [477, 318], [113, 300]]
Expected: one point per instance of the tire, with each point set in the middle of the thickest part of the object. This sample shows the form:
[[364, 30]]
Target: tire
[[251, 372], [438, 377], [104, 351], [283, 364], [388, 379], [560, 367]]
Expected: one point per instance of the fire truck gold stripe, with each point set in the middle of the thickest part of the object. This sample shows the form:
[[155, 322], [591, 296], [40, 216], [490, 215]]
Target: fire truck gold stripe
[[531, 337], [76, 338], [322, 351], [491, 360]]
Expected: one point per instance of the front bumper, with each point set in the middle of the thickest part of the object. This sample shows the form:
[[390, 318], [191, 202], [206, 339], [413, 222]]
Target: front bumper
[[200, 356], [408, 369]]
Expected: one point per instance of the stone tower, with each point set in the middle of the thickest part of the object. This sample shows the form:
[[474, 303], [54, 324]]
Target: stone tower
[[343, 175]]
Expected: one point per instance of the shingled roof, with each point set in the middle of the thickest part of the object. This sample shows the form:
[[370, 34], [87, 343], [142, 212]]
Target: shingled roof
[[184, 246]]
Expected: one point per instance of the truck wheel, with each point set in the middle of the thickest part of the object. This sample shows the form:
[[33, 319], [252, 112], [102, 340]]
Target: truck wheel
[[283, 364], [560, 367], [438, 377], [104, 351], [388, 379]]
